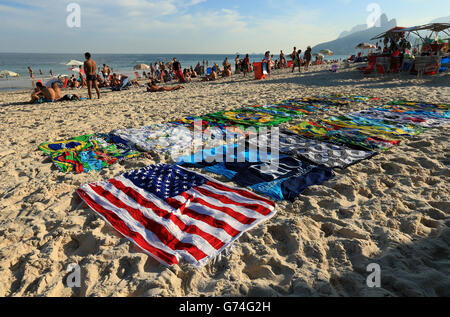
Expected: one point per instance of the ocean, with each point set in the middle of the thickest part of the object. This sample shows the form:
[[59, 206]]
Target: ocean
[[120, 63]]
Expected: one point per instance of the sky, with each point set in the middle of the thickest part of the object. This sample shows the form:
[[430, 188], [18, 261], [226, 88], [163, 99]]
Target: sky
[[192, 26]]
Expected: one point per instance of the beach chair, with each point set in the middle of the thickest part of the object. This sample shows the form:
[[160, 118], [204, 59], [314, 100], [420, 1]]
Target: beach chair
[[125, 85], [138, 77], [370, 66]]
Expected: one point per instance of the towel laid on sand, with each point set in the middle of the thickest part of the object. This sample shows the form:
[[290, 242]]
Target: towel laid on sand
[[318, 152], [419, 120], [247, 117], [421, 105], [375, 126], [170, 139], [174, 214], [89, 153], [281, 178], [352, 137]]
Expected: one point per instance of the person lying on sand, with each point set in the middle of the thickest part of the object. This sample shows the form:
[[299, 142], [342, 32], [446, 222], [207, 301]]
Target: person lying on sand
[[69, 97], [153, 87]]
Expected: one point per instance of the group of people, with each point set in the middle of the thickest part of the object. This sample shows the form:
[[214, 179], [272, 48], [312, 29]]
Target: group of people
[[94, 78]]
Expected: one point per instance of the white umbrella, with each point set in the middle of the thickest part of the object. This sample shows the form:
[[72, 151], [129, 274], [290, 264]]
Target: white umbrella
[[365, 46], [327, 52], [75, 63], [141, 67], [8, 73]]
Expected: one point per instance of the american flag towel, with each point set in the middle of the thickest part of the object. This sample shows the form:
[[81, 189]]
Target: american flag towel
[[172, 213]]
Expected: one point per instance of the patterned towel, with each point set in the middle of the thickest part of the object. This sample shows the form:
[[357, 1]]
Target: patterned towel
[[281, 178], [170, 139], [174, 214], [247, 117], [89, 153], [422, 121], [353, 137], [351, 98], [421, 105], [318, 152], [416, 112], [375, 126]]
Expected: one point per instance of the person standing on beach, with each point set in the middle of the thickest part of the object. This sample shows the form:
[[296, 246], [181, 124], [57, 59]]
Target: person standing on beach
[[246, 65], [237, 64], [295, 56], [90, 69], [308, 57], [177, 69]]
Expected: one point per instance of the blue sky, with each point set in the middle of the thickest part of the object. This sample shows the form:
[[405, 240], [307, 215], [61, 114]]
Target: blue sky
[[193, 26]]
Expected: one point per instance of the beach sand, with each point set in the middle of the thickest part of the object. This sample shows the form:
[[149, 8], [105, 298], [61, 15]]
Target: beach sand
[[392, 210]]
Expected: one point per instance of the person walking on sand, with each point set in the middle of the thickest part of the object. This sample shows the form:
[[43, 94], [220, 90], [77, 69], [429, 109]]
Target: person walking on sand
[[90, 69]]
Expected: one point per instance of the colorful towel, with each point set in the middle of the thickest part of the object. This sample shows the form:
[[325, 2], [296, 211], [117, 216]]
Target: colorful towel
[[421, 105], [170, 139], [247, 117], [280, 111], [353, 137], [422, 121], [80, 143], [317, 100], [375, 126], [174, 214], [281, 178], [318, 152], [351, 98], [416, 112], [89, 153]]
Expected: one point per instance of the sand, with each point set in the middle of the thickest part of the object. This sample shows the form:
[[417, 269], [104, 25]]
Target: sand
[[392, 210]]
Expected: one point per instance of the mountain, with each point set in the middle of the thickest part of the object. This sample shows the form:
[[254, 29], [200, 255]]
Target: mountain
[[346, 45], [442, 20], [362, 27]]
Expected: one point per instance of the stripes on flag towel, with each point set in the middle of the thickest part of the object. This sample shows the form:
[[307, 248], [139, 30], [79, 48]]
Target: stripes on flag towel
[[172, 213]]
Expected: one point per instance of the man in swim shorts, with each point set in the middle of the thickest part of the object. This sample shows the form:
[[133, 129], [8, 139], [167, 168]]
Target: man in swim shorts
[[90, 69]]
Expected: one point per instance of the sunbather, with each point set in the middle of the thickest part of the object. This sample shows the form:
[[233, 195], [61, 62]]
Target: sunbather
[[58, 97], [153, 87]]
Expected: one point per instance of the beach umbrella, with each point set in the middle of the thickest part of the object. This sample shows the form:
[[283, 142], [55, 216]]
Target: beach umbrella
[[141, 67], [8, 73], [318, 55], [365, 46], [327, 52], [75, 63]]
